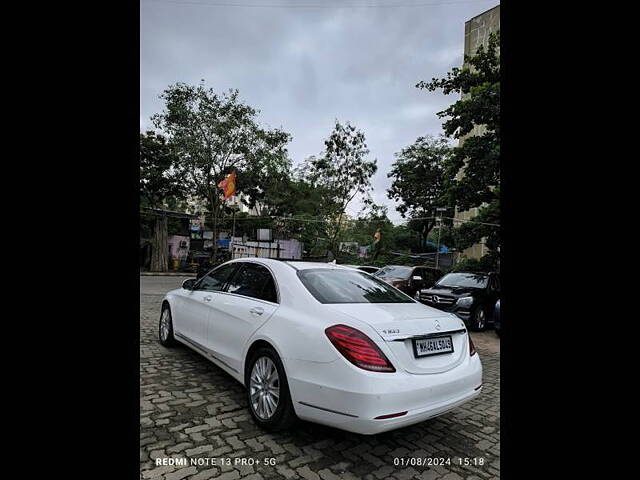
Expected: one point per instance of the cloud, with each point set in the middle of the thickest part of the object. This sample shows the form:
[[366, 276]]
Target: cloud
[[304, 68]]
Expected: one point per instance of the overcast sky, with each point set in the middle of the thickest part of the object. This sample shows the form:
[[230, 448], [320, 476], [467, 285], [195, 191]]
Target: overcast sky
[[305, 67]]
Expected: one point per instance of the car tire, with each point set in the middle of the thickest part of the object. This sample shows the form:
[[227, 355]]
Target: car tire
[[478, 320], [165, 328], [283, 416]]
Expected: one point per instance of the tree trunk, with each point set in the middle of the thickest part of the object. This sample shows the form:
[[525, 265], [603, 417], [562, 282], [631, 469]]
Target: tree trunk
[[214, 206], [334, 241], [159, 246]]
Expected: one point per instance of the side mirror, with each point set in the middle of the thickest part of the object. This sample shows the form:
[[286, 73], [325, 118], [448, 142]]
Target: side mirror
[[189, 283]]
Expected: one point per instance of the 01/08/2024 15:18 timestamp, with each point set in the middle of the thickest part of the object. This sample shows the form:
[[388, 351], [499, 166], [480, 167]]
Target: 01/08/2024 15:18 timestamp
[[429, 461]]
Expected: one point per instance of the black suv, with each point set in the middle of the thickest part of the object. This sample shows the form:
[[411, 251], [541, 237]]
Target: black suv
[[471, 296], [408, 279]]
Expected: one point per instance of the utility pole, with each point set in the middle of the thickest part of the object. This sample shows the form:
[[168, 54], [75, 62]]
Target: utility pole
[[439, 209], [233, 228], [233, 233]]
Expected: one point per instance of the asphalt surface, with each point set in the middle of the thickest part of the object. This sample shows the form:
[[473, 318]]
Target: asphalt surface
[[193, 412]]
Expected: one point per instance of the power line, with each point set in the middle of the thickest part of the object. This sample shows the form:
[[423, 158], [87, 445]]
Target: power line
[[459, 220], [321, 220], [316, 6]]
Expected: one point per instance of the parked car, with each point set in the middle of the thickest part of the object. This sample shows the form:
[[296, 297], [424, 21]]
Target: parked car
[[409, 279], [364, 268], [496, 318], [471, 296], [325, 344]]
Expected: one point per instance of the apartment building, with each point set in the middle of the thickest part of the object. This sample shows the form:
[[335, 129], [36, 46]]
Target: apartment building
[[476, 33]]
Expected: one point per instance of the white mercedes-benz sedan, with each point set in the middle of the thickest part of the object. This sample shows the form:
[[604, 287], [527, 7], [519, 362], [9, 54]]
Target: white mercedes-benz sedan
[[324, 343]]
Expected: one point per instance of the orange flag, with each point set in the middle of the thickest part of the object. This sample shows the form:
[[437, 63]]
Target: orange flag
[[228, 185]]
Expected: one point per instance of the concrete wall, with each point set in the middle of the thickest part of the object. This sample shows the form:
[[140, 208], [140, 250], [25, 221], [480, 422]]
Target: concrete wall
[[477, 30], [291, 249], [476, 33], [174, 246]]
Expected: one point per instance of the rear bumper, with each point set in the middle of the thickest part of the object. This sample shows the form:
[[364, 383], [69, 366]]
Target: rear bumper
[[342, 396]]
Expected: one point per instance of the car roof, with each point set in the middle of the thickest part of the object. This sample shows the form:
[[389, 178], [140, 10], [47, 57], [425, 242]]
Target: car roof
[[308, 265], [297, 264], [268, 261], [413, 266], [475, 273]]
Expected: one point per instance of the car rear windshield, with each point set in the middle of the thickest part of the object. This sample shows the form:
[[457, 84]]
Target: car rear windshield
[[349, 286], [393, 272], [464, 280]]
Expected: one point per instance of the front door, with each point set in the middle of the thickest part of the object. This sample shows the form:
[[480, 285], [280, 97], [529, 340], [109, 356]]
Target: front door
[[196, 308]]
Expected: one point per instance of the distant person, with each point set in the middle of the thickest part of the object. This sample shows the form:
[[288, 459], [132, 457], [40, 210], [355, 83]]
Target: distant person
[[376, 244]]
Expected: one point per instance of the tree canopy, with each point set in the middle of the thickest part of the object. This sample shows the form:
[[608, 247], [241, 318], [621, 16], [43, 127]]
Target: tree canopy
[[342, 171], [212, 134], [418, 181], [159, 183], [472, 171]]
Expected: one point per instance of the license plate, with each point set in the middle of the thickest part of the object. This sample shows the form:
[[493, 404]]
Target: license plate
[[424, 347]]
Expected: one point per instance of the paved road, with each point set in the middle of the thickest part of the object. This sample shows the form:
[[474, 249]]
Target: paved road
[[190, 409]]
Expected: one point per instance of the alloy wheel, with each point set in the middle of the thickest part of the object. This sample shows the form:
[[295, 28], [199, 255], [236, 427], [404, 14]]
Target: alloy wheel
[[264, 387], [165, 325]]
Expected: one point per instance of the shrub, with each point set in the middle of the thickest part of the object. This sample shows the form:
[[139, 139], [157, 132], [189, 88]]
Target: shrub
[[488, 263]]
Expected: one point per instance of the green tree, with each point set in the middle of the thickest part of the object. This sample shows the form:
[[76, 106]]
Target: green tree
[[213, 134], [418, 182], [341, 172], [160, 187], [472, 176]]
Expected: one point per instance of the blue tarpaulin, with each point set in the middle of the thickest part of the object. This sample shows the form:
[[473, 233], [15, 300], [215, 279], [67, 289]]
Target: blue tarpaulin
[[443, 248]]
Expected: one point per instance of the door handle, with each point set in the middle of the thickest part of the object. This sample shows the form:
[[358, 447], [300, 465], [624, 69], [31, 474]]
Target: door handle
[[207, 299], [257, 310]]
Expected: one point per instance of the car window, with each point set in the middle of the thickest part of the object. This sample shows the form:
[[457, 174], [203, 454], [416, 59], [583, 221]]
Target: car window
[[214, 281], [394, 271], [255, 281], [349, 286], [474, 280]]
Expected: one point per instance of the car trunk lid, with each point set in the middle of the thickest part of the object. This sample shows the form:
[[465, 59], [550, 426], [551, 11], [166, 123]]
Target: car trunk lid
[[400, 324]]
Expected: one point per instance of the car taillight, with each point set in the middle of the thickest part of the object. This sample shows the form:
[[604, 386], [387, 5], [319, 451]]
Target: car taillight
[[472, 347], [359, 349]]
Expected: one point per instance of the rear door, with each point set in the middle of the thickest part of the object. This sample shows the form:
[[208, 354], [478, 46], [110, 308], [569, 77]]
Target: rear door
[[249, 299]]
